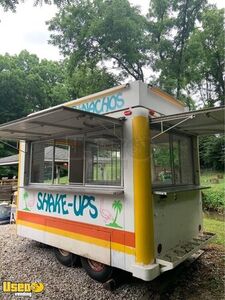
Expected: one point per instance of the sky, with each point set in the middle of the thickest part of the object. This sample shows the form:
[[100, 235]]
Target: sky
[[26, 29]]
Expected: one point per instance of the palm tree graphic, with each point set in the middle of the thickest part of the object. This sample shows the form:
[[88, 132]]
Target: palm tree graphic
[[117, 206], [25, 196]]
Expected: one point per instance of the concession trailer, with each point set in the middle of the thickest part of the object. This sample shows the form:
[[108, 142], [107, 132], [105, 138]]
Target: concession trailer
[[113, 179]]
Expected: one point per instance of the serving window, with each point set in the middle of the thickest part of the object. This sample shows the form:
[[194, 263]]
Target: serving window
[[49, 162], [92, 159], [103, 160], [172, 159]]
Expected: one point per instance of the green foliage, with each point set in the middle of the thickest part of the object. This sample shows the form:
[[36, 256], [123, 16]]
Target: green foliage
[[188, 100], [213, 198], [187, 38], [28, 85], [85, 80], [212, 152], [8, 171], [217, 227], [161, 155], [181, 41], [102, 30], [170, 25], [206, 57], [9, 4], [12, 4]]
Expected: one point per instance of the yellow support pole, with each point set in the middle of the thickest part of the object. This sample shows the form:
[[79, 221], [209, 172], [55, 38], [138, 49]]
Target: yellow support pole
[[143, 200], [18, 180]]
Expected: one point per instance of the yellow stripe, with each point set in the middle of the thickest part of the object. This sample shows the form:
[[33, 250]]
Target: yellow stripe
[[167, 97], [95, 96], [143, 207], [80, 237], [18, 182]]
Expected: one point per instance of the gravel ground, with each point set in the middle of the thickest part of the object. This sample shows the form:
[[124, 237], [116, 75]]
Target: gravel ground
[[25, 260], [22, 259]]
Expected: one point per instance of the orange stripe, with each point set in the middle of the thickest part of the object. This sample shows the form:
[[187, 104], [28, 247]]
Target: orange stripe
[[117, 236]]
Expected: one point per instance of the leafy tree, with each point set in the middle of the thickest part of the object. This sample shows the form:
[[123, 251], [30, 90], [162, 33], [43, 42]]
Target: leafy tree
[[102, 30], [206, 58], [182, 41], [114, 31], [12, 4], [9, 4], [85, 80], [28, 85], [212, 152], [12, 95], [6, 150], [47, 84], [170, 26]]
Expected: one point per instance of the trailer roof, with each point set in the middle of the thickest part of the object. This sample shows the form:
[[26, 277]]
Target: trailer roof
[[9, 160], [200, 122], [55, 122]]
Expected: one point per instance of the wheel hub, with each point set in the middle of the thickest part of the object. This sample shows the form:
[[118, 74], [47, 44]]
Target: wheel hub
[[95, 265], [64, 252]]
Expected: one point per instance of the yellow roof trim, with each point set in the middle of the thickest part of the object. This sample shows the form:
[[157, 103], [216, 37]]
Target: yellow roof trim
[[167, 97], [96, 95]]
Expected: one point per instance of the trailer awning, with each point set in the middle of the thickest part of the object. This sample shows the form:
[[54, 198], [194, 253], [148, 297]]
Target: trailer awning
[[55, 122], [200, 122], [9, 160]]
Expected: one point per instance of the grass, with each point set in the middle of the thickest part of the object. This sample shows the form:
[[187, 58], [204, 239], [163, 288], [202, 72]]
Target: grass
[[62, 180], [217, 227], [107, 171], [207, 175], [213, 198]]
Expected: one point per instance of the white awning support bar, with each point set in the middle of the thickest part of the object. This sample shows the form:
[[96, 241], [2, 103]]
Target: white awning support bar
[[200, 122], [108, 129], [171, 127], [7, 144]]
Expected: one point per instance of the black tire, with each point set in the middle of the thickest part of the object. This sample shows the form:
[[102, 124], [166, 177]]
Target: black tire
[[101, 274], [66, 258]]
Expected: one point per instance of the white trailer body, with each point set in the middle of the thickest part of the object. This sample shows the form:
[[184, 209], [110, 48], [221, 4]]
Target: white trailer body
[[114, 177]]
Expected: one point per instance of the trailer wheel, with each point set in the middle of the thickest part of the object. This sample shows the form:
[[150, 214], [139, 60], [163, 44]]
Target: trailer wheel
[[66, 258], [97, 270]]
